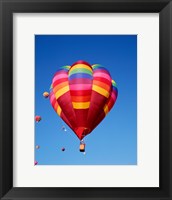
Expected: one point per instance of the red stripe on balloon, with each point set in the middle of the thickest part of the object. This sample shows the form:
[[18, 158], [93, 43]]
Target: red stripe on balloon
[[80, 93], [59, 81], [80, 98], [104, 80], [81, 62]]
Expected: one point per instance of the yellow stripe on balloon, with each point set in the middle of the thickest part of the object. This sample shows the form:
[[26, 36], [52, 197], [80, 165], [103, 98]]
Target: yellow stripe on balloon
[[60, 86], [81, 105], [106, 110], [100, 91], [113, 81], [94, 65], [80, 66], [61, 91], [59, 110]]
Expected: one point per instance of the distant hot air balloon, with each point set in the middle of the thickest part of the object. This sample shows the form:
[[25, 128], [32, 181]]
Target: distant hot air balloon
[[64, 129], [37, 146], [35, 163], [82, 95], [37, 118], [63, 149], [46, 94]]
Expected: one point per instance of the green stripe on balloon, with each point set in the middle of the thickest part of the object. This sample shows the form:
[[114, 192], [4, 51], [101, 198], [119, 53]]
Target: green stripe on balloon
[[65, 67], [95, 66], [75, 71], [114, 83]]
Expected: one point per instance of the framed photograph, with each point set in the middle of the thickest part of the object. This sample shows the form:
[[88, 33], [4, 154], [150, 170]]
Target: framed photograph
[[85, 99]]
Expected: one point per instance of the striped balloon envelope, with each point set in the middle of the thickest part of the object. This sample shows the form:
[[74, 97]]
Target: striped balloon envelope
[[82, 95]]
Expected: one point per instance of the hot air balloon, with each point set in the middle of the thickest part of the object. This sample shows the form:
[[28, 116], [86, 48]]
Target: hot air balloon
[[63, 149], [37, 146], [35, 163], [64, 129], [46, 94], [82, 95], [37, 118]]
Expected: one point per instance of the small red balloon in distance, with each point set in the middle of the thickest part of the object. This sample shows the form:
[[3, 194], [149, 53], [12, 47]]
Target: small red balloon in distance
[[37, 118], [63, 149], [46, 94], [36, 163]]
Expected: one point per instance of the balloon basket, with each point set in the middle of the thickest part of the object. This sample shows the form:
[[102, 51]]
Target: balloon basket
[[82, 148]]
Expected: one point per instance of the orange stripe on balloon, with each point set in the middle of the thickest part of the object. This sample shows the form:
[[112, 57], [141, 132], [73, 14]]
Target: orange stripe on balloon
[[62, 91], [55, 106], [100, 91], [80, 98], [59, 86], [102, 85], [106, 110]]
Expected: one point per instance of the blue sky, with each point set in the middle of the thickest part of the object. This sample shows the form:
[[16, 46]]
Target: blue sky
[[114, 141]]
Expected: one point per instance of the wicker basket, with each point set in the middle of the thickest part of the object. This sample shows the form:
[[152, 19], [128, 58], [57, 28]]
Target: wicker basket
[[82, 147]]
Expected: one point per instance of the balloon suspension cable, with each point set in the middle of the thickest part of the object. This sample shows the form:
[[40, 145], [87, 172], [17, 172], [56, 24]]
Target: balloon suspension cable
[[82, 141]]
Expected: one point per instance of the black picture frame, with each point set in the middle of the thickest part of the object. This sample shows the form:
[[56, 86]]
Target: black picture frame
[[7, 8]]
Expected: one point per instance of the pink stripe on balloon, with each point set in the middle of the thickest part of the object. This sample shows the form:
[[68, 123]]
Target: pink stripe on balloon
[[60, 72], [102, 70], [81, 87], [103, 75], [113, 95], [53, 101], [59, 76], [51, 97]]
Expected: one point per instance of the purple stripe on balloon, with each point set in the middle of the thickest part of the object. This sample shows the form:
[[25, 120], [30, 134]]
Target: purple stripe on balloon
[[80, 75]]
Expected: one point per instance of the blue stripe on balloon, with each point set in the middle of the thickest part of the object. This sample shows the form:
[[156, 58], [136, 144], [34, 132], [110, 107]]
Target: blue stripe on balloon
[[80, 75], [115, 88], [100, 68]]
